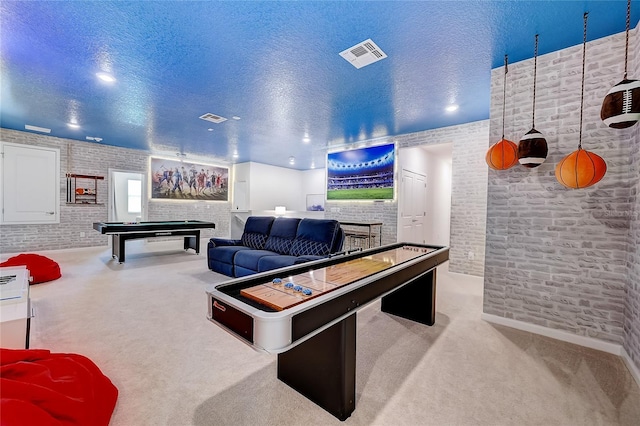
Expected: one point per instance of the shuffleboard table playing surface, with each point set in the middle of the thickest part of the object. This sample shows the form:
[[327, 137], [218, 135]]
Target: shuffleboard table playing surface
[[283, 293]]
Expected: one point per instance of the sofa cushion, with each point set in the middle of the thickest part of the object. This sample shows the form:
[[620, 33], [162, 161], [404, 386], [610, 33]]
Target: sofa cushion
[[256, 231], [221, 268], [239, 271], [248, 259], [315, 237], [225, 254], [268, 263], [283, 231]]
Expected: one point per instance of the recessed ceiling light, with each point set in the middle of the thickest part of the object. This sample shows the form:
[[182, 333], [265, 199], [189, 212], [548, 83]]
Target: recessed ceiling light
[[37, 129], [73, 125], [210, 129], [292, 160], [451, 108], [235, 155], [235, 117], [313, 165], [306, 139], [106, 77]]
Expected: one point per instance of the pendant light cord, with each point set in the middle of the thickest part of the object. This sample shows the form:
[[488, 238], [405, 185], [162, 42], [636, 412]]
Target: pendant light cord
[[584, 50], [535, 68], [626, 43], [504, 92]]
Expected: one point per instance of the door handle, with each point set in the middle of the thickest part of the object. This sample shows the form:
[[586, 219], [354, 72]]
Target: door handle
[[50, 213]]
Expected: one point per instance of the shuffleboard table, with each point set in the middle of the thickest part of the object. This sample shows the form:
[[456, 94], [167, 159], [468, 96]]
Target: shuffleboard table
[[306, 314], [122, 231]]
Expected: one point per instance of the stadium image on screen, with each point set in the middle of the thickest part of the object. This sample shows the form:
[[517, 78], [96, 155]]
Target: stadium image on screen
[[361, 174]]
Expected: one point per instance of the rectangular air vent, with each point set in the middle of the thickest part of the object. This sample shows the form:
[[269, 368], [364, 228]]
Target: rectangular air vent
[[212, 118], [363, 54]]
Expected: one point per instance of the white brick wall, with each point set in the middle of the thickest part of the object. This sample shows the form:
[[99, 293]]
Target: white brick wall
[[468, 194], [558, 257], [95, 159], [632, 297]]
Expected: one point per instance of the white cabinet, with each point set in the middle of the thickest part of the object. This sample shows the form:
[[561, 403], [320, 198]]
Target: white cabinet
[[30, 184]]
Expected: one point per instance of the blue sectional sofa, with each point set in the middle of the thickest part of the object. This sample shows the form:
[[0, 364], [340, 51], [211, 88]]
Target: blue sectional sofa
[[270, 243]]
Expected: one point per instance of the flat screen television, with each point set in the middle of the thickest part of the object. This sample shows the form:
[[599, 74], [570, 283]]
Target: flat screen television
[[361, 174]]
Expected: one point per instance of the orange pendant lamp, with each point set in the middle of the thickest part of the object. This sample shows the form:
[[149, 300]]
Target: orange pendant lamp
[[581, 168], [504, 154]]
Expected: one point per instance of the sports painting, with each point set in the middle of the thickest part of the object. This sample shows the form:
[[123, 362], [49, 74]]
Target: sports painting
[[182, 180], [361, 174]]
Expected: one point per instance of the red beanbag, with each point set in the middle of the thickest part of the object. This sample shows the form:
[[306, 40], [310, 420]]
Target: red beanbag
[[41, 268], [44, 388]]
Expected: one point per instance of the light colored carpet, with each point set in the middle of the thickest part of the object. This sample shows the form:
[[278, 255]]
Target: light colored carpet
[[144, 324]]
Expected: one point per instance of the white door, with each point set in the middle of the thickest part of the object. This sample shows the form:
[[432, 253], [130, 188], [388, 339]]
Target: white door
[[30, 184], [412, 207], [127, 196]]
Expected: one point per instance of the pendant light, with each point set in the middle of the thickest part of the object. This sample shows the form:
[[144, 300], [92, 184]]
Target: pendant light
[[532, 148], [581, 168], [621, 106], [504, 154]]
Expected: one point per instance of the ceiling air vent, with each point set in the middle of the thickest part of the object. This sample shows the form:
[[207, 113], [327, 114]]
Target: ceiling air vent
[[213, 118], [363, 54]]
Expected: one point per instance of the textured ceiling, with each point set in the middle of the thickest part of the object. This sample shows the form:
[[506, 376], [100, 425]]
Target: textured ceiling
[[274, 64]]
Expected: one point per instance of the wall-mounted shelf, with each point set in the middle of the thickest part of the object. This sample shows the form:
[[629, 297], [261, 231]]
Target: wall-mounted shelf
[[82, 189]]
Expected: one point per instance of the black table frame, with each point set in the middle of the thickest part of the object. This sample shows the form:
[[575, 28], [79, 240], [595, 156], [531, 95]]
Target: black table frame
[[121, 233]]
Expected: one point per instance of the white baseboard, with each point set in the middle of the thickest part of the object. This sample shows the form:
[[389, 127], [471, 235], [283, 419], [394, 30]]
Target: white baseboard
[[565, 336], [635, 372]]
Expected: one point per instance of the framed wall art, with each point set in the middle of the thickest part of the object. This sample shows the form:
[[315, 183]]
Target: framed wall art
[[361, 174], [184, 180]]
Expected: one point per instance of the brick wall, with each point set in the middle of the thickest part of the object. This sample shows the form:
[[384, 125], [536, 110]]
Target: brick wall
[[632, 299], [95, 159], [468, 194], [557, 257]]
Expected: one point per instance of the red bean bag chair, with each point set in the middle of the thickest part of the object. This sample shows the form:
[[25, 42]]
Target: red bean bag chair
[[43, 388], [41, 268]]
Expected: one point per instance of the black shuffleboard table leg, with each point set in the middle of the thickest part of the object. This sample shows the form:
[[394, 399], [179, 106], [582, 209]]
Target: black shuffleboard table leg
[[415, 301], [323, 368]]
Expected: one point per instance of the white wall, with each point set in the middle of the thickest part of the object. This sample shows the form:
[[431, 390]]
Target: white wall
[[241, 177], [270, 186], [314, 182], [440, 198]]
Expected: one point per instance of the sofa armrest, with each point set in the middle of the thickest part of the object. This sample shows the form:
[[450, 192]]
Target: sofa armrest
[[217, 242]]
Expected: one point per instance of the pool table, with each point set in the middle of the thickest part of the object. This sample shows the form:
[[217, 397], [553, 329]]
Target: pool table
[[122, 231]]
